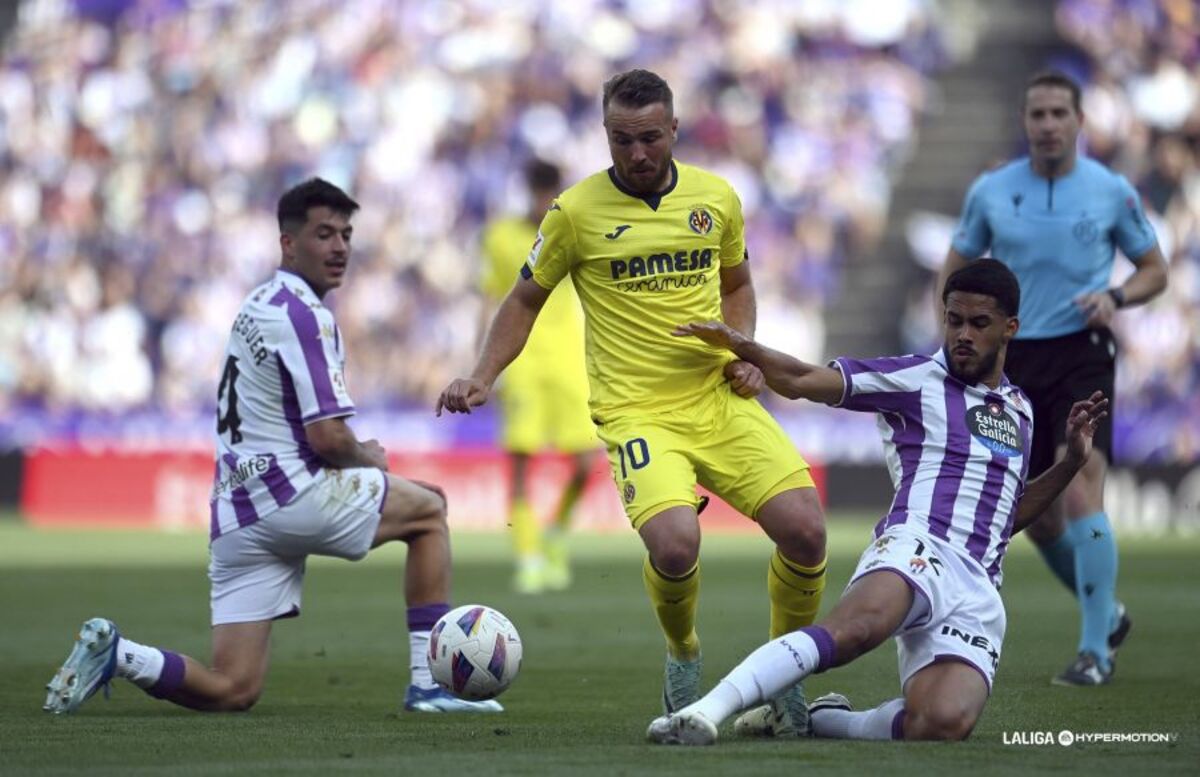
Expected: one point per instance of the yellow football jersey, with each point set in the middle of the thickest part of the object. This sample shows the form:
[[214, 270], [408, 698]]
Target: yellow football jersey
[[642, 265], [556, 341]]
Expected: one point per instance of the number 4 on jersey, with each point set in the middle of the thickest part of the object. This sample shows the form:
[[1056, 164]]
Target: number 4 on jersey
[[229, 421]]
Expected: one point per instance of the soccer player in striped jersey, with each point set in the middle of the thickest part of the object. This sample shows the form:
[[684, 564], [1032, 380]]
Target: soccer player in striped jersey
[[1056, 218], [647, 243], [291, 479], [957, 436]]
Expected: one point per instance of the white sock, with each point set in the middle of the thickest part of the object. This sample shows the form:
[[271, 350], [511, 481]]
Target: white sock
[[140, 664], [779, 664], [418, 659], [719, 703], [868, 724]]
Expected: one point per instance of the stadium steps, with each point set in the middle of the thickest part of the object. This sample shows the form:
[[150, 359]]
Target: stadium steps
[[973, 122]]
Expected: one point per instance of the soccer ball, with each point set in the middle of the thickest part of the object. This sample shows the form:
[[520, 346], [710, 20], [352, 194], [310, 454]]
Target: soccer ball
[[474, 652]]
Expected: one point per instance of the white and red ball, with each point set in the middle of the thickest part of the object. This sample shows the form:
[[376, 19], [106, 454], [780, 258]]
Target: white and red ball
[[474, 652]]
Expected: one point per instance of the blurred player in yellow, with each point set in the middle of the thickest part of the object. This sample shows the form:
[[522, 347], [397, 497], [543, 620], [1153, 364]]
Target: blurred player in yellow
[[649, 242], [544, 392]]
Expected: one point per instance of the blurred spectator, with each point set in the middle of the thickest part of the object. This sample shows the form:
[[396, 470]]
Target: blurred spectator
[[144, 143]]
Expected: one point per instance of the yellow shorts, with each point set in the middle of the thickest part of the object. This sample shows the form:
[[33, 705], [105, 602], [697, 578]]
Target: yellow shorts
[[731, 446], [545, 408]]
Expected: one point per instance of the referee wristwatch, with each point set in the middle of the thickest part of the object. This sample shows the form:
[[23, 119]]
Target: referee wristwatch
[[1118, 296]]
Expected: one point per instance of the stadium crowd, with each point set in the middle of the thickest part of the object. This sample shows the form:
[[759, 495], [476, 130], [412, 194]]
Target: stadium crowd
[[1140, 60], [144, 145]]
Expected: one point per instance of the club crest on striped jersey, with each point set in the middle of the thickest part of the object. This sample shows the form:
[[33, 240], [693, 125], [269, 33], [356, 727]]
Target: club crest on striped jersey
[[1019, 404], [700, 221], [992, 427], [469, 622]]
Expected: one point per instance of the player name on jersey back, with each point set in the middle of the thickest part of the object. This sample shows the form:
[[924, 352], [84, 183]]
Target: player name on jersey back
[[284, 368]]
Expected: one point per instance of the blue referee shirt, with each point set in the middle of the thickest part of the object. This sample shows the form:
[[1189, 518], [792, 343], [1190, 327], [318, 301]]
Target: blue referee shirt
[[1058, 235]]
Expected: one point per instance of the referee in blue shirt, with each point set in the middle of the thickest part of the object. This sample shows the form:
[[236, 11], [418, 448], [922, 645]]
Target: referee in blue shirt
[[1056, 219]]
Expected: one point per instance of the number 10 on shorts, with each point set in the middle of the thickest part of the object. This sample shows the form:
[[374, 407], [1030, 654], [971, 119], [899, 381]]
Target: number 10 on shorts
[[636, 453]]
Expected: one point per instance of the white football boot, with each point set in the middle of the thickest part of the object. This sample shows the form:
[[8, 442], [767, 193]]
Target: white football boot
[[682, 728], [88, 668]]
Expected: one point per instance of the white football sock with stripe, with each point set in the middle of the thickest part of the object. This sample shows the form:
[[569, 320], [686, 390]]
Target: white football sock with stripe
[[779, 664], [140, 664], [879, 723]]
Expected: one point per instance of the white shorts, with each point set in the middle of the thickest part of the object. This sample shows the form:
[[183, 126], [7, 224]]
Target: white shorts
[[257, 571], [957, 614]]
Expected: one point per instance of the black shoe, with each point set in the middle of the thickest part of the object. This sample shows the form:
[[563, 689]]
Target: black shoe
[[1121, 630], [1085, 670]]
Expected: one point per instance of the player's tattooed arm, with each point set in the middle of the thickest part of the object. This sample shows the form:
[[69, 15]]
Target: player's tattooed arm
[[1039, 494], [786, 375]]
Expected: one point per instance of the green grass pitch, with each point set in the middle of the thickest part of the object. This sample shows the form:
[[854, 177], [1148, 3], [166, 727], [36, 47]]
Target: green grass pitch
[[592, 667]]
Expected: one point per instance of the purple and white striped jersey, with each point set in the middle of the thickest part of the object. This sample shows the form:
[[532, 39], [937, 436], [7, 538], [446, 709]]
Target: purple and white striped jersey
[[958, 454], [283, 369]]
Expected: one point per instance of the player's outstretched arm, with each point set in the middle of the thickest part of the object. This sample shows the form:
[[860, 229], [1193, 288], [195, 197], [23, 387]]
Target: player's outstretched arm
[[1081, 427], [333, 440], [505, 338], [786, 375]]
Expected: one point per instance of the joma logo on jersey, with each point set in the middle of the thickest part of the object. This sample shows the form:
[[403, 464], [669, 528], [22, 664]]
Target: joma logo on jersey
[[660, 264]]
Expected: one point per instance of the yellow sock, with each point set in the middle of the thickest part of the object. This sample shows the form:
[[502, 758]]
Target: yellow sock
[[795, 592], [527, 538], [674, 600]]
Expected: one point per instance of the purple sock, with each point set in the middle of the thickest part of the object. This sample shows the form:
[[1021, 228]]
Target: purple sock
[[423, 617], [171, 677], [898, 725], [825, 647]]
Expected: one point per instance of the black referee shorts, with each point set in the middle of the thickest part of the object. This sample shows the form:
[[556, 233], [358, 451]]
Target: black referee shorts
[[1057, 372]]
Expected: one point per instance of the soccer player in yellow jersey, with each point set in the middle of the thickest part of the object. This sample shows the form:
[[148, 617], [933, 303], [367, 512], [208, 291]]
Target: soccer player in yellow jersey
[[543, 394], [650, 242]]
